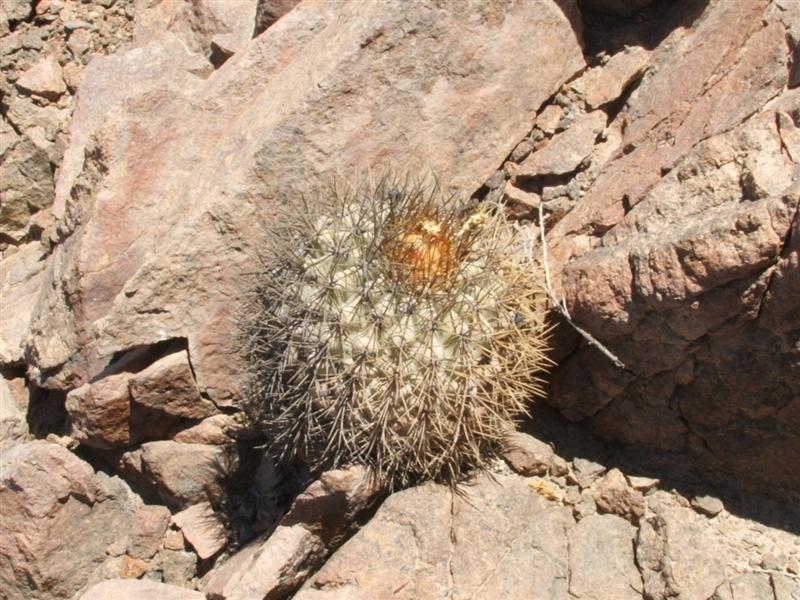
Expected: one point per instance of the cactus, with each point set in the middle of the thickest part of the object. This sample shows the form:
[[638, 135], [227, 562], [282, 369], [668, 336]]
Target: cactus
[[390, 327]]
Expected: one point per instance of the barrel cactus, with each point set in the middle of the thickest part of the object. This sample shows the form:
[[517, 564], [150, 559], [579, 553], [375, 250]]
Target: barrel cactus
[[395, 328]]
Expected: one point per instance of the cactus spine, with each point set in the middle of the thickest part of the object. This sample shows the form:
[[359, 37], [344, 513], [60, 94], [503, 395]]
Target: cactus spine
[[393, 329]]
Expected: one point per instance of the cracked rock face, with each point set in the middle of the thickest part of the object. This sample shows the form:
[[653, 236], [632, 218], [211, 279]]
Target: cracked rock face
[[143, 143]]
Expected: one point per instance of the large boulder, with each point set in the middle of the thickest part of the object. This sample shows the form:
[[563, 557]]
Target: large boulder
[[169, 174], [59, 520], [680, 254]]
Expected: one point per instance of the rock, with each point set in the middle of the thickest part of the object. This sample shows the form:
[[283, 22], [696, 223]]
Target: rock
[[167, 389], [586, 471], [177, 567], [677, 553], [212, 430], [430, 97], [100, 412], [313, 527], [707, 505], [202, 528], [549, 118], [181, 474], [751, 586], [566, 151], [643, 484], [26, 182], [13, 426], [269, 11], [601, 560], [527, 455], [427, 542], [133, 589], [603, 84], [620, 8], [613, 495], [64, 517], [43, 79], [149, 528], [672, 256], [15, 10], [20, 285]]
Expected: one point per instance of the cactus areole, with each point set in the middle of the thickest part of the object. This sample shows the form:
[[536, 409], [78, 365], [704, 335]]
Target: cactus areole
[[393, 328]]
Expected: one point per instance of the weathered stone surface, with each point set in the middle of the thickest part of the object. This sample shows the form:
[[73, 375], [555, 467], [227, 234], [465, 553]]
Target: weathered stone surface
[[707, 505], [149, 528], [427, 543], [21, 277], [677, 553], [622, 8], [613, 495], [586, 471], [213, 430], [181, 474], [100, 412], [313, 527], [672, 256], [527, 455], [269, 11], [134, 589], [59, 518], [435, 88], [168, 389], [566, 150], [13, 427], [26, 182], [603, 84], [601, 560], [43, 79], [202, 528]]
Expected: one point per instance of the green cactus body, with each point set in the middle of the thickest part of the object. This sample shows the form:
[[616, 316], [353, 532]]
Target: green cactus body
[[392, 330]]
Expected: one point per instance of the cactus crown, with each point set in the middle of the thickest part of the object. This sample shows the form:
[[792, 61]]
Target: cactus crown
[[393, 329]]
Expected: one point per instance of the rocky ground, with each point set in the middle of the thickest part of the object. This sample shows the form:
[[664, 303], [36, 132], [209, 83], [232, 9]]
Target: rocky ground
[[142, 143]]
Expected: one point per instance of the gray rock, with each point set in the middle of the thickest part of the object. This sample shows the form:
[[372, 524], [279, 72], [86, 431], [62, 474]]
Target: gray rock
[[677, 552], [708, 505], [586, 471], [602, 563]]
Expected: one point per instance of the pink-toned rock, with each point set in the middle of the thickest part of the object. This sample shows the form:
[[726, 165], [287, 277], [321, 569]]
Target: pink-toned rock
[[181, 474], [21, 278], [100, 412], [168, 389], [213, 430], [566, 151], [428, 543], [134, 589], [603, 84], [435, 90], [314, 526], [527, 455], [59, 517], [43, 79], [680, 250], [612, 494], [13, 426], [202, 528], [149, 528]]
